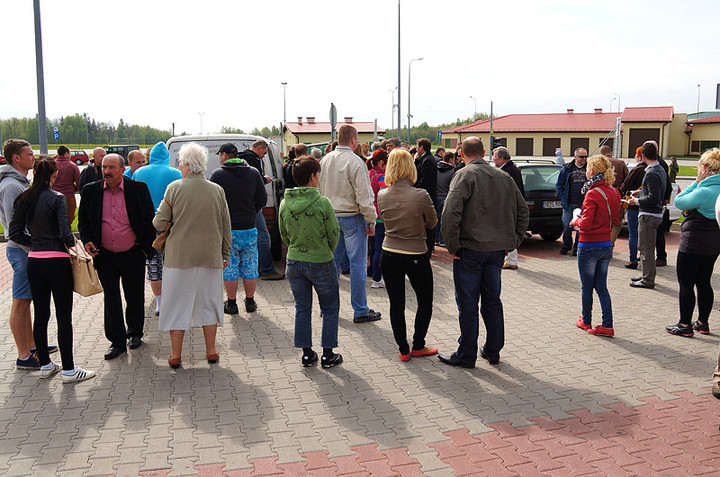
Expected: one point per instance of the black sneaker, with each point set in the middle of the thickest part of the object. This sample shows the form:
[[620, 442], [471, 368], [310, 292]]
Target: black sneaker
[[372, 315], [564, 251], [702, 328], [308, 361], [680, 330], [30, 363], [230, 309], [250, 305], [329, 362]]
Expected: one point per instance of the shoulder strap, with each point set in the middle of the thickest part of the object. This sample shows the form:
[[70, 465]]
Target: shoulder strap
[[607, 202]]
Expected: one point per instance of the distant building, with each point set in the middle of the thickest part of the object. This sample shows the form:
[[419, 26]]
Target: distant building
[[313, 132], [541, 134]]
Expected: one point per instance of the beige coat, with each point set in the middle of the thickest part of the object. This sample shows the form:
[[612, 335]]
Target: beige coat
[[201, 234], [406, 212], [345, 182]]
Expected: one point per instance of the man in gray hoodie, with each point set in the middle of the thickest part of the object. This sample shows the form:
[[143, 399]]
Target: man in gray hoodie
[[13, 181]]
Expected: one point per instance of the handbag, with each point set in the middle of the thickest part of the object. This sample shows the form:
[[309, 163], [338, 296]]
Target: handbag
[[159, 242], [85, 277]]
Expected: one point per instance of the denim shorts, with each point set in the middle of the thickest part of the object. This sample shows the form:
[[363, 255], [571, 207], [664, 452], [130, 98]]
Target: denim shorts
[[18, 259], [243, 261]]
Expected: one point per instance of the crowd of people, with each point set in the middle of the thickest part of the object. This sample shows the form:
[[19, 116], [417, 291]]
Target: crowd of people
[[366, 210]]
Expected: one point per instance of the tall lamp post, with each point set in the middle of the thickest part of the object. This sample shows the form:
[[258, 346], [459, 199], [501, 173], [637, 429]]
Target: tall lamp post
[[392, 116], [408, 113], [475, 109], [201, 116], [399, 125], [282, 132], [42, 118]]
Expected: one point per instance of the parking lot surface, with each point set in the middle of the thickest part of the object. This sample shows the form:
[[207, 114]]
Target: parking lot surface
[[559, 402]]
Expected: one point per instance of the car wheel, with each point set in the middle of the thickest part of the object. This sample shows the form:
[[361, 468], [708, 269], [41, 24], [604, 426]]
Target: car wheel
[[79, 162], [551, 236]]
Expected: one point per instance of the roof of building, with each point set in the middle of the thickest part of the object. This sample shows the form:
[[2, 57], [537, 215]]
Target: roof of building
[[711, 119], [654, 114], [560, 122], [313, 127]]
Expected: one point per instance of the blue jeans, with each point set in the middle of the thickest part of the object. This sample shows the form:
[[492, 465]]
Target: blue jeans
[[438, 232], [477, 278], [265, 259], [567, 239], [593, 266], [353, 240], [379, 237], [632, 221], [303, 276]]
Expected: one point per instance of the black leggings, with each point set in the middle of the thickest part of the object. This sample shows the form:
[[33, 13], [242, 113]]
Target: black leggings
[[52, 275], [394, 267], [695, 271]]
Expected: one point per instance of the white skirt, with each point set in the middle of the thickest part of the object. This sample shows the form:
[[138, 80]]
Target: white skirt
[[191, 297]]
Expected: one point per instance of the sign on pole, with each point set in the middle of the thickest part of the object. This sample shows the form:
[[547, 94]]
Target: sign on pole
[[440, 137], [333, 121], [56, 132]]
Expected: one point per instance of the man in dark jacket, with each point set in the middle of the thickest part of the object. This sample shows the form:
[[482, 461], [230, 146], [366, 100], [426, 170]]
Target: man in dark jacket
[[93, 171], [568, 188], [253, 157], [426, 166], [503, 161], [245, 194], [115, 223]]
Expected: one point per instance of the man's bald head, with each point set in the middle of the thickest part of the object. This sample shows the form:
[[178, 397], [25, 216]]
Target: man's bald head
[[472, 148]]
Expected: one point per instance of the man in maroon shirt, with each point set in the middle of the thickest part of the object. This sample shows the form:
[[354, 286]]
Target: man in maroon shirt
[[115, 223], [67, 180]]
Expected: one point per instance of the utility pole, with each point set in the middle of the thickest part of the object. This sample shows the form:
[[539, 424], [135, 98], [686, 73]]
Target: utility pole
[[399, 126], [42, 117]]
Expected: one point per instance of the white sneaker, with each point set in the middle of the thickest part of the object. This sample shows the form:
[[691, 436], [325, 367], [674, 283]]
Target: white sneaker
[[78, 374], [46, 372], [380, 284]]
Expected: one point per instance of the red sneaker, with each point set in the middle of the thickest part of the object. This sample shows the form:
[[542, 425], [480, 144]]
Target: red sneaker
[[580, 324], [415, 353], [600, 330]]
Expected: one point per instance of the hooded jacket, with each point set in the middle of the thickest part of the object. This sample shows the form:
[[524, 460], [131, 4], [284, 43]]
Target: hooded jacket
[[244, 191], [12, 184], [308, 225], [444, 176], [158, 174]]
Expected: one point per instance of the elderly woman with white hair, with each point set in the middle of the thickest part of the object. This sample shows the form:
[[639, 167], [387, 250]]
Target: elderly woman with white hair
[[196, 251]]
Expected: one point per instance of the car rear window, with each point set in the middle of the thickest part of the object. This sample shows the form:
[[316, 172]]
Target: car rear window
[[537, 177]]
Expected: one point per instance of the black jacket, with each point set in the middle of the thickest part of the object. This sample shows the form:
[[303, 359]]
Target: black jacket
[[427, 175], [49, 227], [139, 206], [91, 173], [244, 191], [254, 160], [514, 172]]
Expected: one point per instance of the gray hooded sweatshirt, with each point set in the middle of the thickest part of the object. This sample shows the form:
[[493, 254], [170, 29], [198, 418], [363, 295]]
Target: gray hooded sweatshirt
[[12, 184]]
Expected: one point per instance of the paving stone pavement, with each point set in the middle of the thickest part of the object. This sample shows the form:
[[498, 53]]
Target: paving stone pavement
[[560, 402]]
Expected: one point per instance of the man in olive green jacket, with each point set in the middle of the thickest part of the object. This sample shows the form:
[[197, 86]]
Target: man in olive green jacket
[[484, 216]]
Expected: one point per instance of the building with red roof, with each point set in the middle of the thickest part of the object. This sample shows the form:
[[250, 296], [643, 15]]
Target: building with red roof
[[704, 134], [310, 131]]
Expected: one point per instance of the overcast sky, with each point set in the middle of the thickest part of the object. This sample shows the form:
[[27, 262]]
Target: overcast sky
[[158, 62]]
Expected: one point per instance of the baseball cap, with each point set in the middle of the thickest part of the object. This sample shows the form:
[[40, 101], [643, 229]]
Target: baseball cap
[[228, 148]]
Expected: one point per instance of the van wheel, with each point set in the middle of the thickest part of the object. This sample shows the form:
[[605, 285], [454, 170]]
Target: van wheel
[[551, 236]]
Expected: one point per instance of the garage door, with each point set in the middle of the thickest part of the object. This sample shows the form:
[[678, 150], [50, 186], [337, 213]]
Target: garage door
[[577, 142], [639, 135], [524, 146], [609, 142], [549, 146]]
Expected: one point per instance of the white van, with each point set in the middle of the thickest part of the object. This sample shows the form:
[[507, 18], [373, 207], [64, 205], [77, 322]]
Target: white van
[[272, 163]]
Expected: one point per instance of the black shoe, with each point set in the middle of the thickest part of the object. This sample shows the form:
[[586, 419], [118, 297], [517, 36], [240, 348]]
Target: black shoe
[[346, 272], [641, 284], [574, 253], [632, 265], [134, 342], [660, 263], [564, 251], [636, 279], [51, 349], [488, 358], [250, 305], [702, 328], [372, 315], [452, 360], [113, 352], [329, 362], [274, 275], [230, 309], [686, 331], [716, 390], [308, 361]]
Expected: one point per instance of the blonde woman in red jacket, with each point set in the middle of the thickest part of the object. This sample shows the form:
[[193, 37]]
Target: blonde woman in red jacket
[[600, 210]]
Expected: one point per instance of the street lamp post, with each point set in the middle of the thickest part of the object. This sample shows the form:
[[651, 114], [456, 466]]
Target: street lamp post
[[399, 125], [392, 116], [282, 132], [201, 116], [408, 113], [42, 118], [474, 110]]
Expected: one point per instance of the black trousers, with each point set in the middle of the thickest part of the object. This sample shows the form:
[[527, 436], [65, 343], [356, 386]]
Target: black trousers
[[395, 266], [693, 271], [127, 268], [46, 276]]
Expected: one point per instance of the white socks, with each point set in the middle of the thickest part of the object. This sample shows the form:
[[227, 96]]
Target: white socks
[[158, 298]]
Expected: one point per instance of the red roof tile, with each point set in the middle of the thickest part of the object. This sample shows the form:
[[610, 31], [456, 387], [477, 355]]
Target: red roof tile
[[559, 122], [322, 128], [711, 119], [658, 114]]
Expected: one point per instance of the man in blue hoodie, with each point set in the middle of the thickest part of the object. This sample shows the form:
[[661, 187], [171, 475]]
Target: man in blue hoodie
[[246, 195], [157, 175]]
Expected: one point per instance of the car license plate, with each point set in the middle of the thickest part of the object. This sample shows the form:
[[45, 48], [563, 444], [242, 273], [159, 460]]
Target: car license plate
[[552, 204]]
